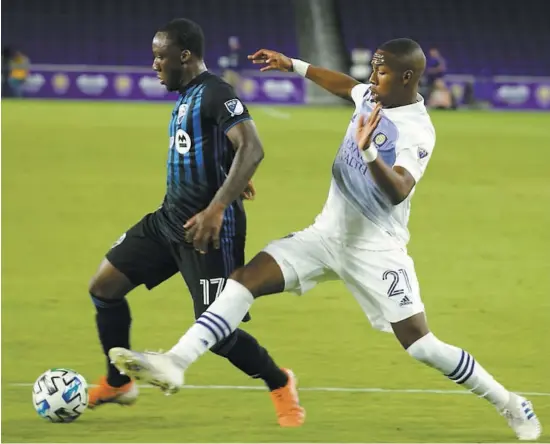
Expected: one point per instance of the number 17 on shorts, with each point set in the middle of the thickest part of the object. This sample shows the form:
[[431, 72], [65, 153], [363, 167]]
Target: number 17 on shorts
[[211, 289]]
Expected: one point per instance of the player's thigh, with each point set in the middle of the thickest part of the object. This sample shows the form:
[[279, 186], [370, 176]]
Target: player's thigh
[[305, 259], [142, 255], [384, 284], [206, 274]]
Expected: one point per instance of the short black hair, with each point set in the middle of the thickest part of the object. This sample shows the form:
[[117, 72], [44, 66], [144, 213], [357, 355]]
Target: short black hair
[[186, 34], [401, 47]]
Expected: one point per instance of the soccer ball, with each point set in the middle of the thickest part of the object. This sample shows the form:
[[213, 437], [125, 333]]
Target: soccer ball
[[60, 395]]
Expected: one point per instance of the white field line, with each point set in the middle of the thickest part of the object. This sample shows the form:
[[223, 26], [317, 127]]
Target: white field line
[[317, 389]]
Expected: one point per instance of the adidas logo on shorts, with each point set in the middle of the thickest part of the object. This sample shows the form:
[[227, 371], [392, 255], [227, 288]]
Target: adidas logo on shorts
[[405, 301]]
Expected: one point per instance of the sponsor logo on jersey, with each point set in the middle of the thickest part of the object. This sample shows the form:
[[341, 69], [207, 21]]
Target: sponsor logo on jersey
[[380, 139], [119, 241], [235, 107], [183, 142], [422, 153]]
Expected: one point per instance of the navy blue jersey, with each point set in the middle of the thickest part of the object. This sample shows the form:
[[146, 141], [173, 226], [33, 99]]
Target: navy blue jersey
[[200, 155]]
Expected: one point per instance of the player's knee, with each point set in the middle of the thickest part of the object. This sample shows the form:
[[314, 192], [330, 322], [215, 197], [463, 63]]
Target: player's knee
[[248, 278], [223, 347], [109, 283], [242, 276], [261, 276], [427, 349], [99, 287]]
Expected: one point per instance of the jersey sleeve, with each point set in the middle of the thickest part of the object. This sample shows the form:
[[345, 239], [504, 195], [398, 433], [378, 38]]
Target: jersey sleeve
[[414, 157], [358, 93], [224, 107]]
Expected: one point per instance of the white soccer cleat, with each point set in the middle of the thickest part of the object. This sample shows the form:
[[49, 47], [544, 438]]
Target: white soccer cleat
[[522, 418], [158, 369]]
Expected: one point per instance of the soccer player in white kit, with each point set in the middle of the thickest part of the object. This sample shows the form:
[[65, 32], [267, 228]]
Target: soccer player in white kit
[[359, 237]]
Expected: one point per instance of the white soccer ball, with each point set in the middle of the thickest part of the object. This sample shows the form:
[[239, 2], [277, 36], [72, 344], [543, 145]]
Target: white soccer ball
[[60, 395]]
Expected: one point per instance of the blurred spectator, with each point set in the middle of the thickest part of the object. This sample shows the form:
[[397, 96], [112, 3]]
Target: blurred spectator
[[231, 63], [234, 52], [440, 96], [436, 67], [15, 66]]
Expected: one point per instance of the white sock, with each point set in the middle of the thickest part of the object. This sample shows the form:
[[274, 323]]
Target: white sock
[[459, 366], [219, 321]]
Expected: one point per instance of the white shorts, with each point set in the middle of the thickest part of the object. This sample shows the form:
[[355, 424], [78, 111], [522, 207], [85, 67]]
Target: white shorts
[[383, 282]]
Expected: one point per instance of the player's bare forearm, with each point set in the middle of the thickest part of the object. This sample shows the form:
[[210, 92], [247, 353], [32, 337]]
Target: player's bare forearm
[[334, 82], [249, 154], [244, 165], [396, 182]]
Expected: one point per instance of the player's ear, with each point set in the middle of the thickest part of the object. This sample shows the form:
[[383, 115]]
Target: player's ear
[[185, 56], [407, 76]]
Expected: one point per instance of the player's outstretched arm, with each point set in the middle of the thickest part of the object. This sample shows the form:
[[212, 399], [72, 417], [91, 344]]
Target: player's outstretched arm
[[334, 82]]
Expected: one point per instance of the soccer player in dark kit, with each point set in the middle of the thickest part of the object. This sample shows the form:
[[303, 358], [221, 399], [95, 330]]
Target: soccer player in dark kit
[[199, 231]]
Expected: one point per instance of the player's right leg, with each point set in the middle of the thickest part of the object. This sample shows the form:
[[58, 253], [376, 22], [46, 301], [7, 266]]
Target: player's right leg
[[138, 257], [206, 275], [108, 289], [296, 263]]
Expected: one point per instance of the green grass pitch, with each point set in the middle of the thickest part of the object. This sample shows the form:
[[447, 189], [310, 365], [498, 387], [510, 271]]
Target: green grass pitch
[[76, 175]]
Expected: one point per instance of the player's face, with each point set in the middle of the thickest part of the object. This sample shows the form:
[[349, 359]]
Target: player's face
[[167, 62], [386, 81], [382, 79]]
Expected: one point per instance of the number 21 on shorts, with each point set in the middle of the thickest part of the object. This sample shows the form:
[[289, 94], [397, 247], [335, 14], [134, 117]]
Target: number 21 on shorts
[[217, 283], [396, 288]]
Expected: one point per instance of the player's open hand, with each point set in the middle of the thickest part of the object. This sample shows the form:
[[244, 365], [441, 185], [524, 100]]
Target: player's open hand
[[366, 127], [249, 192], [272, 59], [204, 228]]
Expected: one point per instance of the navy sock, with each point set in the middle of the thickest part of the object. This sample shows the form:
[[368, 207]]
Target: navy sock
[[250, 357], [113, 325]]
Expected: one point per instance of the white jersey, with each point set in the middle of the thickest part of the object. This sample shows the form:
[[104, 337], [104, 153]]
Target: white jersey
[[357, 211]]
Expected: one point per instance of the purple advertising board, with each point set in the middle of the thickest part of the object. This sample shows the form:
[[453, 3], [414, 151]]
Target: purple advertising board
[[505, 92], [521, 93], [119, 83], [141, 84]]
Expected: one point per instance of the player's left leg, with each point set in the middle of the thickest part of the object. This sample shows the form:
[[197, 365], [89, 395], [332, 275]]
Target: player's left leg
[[240, 348], [206, 276], [386, 286], [460, 367]]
